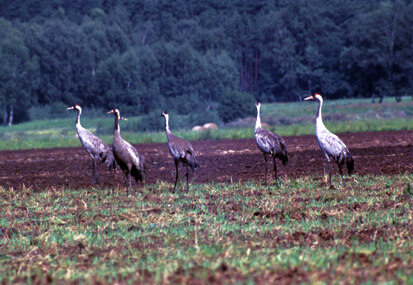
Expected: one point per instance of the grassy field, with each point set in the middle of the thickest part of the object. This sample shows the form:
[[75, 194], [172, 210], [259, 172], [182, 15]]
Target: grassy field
[[347, 115], [298, 231]]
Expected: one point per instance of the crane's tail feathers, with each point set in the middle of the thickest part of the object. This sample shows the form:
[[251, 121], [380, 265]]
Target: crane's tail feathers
[[108, 159], [138, 169], [137, 174], [284, 153], [284, 159], [350, 163], [192, 161]]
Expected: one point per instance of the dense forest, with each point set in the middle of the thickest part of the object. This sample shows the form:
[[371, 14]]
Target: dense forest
[[199, 56]]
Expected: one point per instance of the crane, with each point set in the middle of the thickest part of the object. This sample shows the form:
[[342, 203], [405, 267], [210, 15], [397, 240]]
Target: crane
[[181, 151], [95, 147], [269, 143], [331, 145], [127, 157]]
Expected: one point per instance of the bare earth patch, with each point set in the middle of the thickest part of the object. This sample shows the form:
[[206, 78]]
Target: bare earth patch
[[221, 161]]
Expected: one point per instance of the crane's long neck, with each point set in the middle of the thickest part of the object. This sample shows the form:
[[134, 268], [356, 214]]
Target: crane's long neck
[[78, 118], [258, 122], [117, 128], [167, 124], [319, 119]]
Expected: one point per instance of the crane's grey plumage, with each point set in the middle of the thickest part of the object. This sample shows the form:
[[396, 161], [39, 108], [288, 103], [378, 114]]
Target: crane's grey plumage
[[181, 151], [269, 143], [96, 148], [127, 157], [330, 144]]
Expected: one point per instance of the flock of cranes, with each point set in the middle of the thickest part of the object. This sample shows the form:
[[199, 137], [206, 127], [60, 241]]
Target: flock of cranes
[[132, 163]]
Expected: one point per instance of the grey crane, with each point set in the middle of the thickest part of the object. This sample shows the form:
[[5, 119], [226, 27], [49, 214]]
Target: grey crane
[[127, 157], [269, 143], [331, 145], [96, 148], [181, 151]]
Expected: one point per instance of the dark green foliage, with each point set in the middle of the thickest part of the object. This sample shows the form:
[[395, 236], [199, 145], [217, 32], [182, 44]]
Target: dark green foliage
[[203, 117], [234, 105], [57, 109], [152, 122], [141, 55]]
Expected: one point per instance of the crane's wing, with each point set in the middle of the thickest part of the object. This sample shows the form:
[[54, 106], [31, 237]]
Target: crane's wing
[[179, 147], [137, 158], [92, 143], [331, 144], [269, 142]]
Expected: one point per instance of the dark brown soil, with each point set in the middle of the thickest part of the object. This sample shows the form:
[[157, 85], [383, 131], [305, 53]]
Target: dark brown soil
[[381, 153]]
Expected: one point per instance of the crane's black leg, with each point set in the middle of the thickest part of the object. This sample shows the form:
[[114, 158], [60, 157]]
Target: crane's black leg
[[266, 168], [275, 169], [187, 178], [126, 179], [95, 171], [329, 168], [341, 173], [126, 184], [130, 183], [329, 171], [176, 174]]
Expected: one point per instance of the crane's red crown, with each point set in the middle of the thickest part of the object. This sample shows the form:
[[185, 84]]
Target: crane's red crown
[[113, 111], [76, 106]]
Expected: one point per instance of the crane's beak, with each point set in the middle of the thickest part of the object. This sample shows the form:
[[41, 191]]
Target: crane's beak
[[70, 108], [309, 98], [110, 112]]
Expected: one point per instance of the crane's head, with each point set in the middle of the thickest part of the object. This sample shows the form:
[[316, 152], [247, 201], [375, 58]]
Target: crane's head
[[117, 113], [257, 104], [75, 107], [314, 97], [164, 114]]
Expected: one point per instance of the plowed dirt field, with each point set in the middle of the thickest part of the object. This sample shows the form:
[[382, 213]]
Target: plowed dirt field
[[379, 153]]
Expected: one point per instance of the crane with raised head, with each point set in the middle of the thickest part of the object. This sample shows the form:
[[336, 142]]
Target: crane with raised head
[[181, 151], [97, 149], [270, 144], [127, 157], [331, 145]]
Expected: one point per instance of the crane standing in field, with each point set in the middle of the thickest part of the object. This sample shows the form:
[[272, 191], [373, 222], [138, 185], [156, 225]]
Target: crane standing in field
[[330, 144], [181, 150], [269, 143], [96, 148], [127, 157]]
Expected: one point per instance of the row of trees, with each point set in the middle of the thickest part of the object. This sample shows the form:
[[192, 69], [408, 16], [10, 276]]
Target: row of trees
[[186, 55]]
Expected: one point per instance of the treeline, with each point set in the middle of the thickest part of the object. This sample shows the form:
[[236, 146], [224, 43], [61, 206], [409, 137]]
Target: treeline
[[186, 56]]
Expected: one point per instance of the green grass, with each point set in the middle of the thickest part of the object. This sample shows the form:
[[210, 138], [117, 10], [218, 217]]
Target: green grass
[[359, 108], [298, 231], [286, 119]]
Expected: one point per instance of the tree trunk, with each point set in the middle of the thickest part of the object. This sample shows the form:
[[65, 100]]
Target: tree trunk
[[11, 116]]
